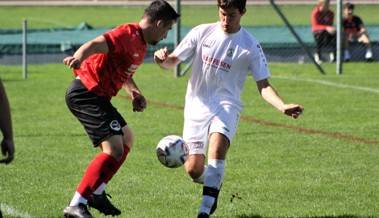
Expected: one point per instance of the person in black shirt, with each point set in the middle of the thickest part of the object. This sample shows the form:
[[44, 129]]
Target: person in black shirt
[[354, 30]]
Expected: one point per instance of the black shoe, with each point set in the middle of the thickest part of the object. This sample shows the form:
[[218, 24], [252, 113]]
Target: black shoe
[[203, 215], [102, 204], [80, 211], [369, 59]]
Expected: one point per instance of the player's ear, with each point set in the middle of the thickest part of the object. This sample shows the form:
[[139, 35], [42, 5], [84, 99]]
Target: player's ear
[[243, 12], [160, 23]]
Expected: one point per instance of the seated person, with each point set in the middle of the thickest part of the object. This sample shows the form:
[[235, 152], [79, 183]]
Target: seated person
[[354, 30], [323, 30]]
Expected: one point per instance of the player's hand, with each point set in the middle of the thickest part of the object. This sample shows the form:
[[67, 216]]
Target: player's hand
[[160, 55], [293, 110], [139, 102], [7, 148], [72, 62], [331, 30]]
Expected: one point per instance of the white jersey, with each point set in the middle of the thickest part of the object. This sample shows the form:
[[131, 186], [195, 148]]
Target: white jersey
[[221, 65]]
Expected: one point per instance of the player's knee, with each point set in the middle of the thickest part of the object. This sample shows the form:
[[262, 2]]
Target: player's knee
[[195, 172], [128, 137]]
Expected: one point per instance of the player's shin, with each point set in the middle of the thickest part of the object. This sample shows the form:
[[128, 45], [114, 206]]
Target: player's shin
[[212, 184]]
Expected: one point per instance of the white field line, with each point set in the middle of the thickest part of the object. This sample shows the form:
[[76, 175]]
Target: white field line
[[9, 210], [327, 83]]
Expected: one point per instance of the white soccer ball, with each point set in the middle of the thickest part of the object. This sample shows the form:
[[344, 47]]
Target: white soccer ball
[[172, 151]]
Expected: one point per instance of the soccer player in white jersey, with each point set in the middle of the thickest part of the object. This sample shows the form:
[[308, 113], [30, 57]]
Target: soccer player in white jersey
[[224, 55]]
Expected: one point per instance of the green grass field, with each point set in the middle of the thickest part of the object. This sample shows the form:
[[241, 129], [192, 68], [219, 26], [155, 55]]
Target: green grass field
[[325, 164]]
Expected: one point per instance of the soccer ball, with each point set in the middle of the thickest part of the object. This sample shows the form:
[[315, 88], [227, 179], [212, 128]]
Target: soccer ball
[[172, 151]]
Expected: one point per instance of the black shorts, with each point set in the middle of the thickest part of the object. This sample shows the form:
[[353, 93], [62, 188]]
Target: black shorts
[[100, 119]]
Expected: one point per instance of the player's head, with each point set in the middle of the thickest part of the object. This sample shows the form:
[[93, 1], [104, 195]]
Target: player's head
[[230, 13], [161, 15], [324, 4], [348, 9], [161, 10]]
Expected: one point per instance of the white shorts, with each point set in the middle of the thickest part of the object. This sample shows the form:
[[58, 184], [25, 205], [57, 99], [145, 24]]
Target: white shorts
[[196, 131]]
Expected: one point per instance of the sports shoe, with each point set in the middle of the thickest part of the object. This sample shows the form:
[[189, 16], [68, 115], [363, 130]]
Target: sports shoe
[[80, 211], [203, 215], [332, 57], [368, 56], [318, 59], [102, 204]]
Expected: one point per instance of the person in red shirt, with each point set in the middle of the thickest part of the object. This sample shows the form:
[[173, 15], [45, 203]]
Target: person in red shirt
[[354, 30], [102, 67], [323, 30]]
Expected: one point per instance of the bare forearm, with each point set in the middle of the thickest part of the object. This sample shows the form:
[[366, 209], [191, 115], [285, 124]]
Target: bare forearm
[[271, 96], [168, 64], [98, 45], [90, 48], [131, 87], [165, 61], [5, 115]]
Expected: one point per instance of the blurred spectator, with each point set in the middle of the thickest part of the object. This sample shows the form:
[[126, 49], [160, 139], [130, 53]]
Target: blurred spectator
[[354, 30], [323, 30], [7, 144]]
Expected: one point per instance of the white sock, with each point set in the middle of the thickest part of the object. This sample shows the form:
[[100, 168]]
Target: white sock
[[200, 180], [100, 189], [77, 199], [368, 50], [213, 179]]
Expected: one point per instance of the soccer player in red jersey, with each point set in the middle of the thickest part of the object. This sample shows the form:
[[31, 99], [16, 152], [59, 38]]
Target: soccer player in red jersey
[[323, 30], [102, 67]]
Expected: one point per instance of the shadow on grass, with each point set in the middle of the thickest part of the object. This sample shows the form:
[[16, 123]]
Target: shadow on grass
[[326, 216]]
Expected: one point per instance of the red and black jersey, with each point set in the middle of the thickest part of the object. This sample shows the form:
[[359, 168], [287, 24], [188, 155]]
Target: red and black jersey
[[352, 25], [320, 19], [104, 74]]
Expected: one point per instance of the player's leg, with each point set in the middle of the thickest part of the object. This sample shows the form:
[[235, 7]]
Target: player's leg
[[218, 147], [331, 45], [195, 133], [346, 43], [221, 133], [366, 39], [194, 166], [103, 125], [119, 148], [127, 141], [319, 44], [99, 199]]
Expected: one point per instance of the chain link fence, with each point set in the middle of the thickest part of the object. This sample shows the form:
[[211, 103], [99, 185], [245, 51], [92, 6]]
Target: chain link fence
[[261, 20]]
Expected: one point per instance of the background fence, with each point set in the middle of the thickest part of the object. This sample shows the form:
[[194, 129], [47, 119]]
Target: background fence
[[52, 42]]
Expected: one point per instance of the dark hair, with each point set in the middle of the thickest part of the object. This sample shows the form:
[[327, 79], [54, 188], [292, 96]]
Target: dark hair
[[161, 10], [239, 4], [349, 5]]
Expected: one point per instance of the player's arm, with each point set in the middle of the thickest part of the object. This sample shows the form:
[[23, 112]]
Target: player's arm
[[7, 144], [97, 45], [165, 61], [270, 95], [138, 100], [362, 29]]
